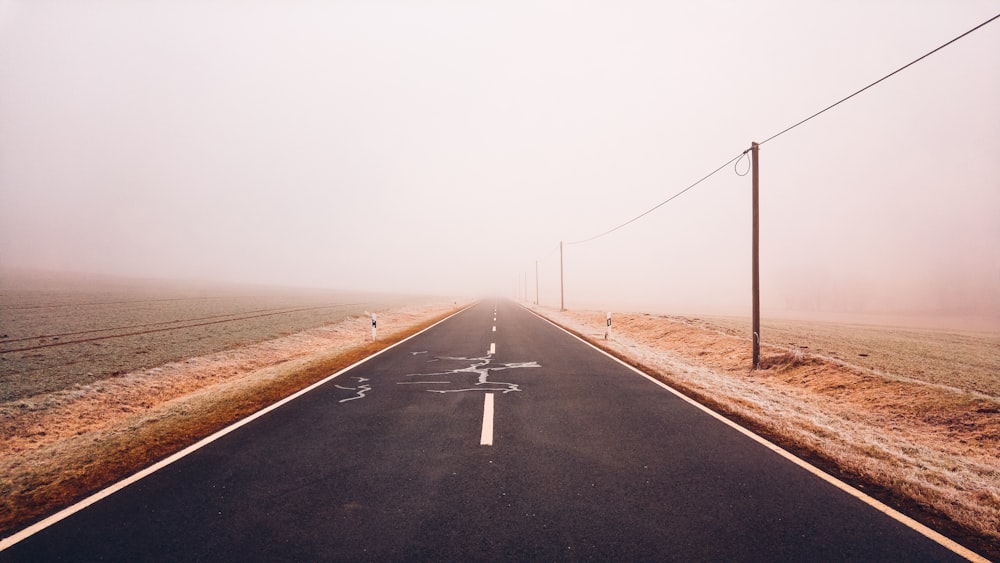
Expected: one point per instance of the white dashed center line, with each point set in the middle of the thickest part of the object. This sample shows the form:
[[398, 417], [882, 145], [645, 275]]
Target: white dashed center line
[[493, 348], [487, 437]]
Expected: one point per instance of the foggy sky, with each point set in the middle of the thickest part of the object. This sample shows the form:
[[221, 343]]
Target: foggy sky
[[444, 147]]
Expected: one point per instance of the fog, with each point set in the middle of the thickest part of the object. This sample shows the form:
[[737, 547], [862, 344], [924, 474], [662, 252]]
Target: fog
[[448, 147]]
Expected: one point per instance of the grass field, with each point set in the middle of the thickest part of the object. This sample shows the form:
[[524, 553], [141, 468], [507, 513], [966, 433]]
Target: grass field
[[965, 360], [59, 332]]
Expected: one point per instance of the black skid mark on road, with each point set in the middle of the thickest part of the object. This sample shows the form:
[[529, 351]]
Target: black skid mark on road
[[361, 389], [481, 368]]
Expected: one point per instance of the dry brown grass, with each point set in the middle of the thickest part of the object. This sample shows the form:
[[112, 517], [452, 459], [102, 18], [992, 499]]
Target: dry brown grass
[[960, 359], [58, 447], [922, 440]]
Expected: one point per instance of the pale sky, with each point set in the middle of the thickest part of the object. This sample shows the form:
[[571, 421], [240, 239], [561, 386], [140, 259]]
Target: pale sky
[[444, 147]]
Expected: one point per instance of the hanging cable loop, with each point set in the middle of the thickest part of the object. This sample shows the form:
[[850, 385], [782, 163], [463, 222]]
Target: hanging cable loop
[[736, 167]]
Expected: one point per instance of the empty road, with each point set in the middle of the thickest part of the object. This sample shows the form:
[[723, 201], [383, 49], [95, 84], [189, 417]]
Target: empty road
[[492, 436]]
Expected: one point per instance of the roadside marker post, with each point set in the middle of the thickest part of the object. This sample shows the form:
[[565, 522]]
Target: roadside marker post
[[607, 331], [374, 326]]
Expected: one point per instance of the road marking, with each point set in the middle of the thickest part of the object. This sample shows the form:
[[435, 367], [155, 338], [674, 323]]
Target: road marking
[[493, 348], [483, 370], [486, 439], [361, 390], [494, 329]]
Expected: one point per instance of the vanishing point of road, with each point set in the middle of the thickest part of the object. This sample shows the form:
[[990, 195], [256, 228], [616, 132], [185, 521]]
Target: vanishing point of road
[[494, 435]]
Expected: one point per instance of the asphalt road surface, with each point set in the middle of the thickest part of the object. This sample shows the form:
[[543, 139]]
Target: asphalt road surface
[[482, 439]]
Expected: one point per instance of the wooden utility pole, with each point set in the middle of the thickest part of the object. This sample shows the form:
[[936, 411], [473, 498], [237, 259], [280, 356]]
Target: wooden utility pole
[[562, 294], [536, 282], [755, 163]]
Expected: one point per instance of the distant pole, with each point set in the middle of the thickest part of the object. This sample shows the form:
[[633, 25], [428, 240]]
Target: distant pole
[[562, 293], [536, 282], [755, 162]]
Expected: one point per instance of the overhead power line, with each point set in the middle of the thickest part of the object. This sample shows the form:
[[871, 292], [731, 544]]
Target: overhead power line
[[661, 204], [897, 71], [782, 132]]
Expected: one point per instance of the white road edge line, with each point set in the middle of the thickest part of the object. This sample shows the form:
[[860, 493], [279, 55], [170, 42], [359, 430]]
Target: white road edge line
[[870, 501], [104, 493], [486, 438]]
